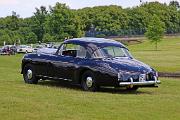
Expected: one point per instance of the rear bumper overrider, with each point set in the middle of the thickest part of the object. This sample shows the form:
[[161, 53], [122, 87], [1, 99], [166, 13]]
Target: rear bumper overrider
[[141, 83]]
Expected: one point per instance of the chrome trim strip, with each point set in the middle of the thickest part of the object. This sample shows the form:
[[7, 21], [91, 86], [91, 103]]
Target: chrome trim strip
[[55, 78], [140, 83]]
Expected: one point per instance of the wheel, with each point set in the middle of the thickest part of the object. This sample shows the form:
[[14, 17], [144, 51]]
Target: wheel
[[134, 88], [26, 51], [88, 82], [29, 74]]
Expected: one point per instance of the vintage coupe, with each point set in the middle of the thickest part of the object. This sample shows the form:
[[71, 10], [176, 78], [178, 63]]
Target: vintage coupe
[[90, 62]]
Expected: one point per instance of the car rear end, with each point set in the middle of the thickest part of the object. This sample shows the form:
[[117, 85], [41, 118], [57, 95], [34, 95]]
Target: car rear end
[[139, 80]]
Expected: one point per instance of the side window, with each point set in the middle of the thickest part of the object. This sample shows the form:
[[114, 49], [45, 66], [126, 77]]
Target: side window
[[73, 50]]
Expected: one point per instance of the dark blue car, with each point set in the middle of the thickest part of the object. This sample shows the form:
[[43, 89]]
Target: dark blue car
[[90, 62]]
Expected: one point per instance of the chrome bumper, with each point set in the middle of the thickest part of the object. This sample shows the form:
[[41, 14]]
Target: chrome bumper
[[142, 83]]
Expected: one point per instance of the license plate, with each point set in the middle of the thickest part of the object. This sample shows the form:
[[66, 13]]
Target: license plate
[[142, 77]]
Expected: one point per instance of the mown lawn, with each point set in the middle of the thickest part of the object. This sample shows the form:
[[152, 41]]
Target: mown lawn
[[166, 59], [54, 101]]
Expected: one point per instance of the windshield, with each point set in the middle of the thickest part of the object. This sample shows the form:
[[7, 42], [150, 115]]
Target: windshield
[[111, 51]]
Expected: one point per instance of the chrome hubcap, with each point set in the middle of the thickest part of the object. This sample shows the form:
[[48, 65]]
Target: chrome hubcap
[[89, 82], [29, 74]]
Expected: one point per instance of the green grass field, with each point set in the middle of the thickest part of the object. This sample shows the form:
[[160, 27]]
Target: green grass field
[[51, 100], [54, 101], [166, 59]]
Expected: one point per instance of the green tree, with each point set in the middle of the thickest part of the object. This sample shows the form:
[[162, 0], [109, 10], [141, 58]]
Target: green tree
[[27, 36], [31, 38], [38, 22], [155, 30], [4, 37], [167, 14], [138, 20], [60, 22], [48, 38], [63, 22], [12, 22], [109, 20], [175, 4]]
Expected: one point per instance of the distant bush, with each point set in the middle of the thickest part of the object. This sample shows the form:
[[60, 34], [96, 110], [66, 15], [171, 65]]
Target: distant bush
[[101, 36]]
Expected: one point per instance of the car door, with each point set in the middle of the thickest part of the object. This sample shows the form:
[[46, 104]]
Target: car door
[[63, 62], [67, 61], [40, 61]]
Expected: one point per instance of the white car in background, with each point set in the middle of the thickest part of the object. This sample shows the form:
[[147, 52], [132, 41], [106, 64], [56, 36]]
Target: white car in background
[[25, 49], [38, 47]]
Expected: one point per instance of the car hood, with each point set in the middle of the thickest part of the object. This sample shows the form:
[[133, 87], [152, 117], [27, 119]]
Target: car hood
[[128, 65]]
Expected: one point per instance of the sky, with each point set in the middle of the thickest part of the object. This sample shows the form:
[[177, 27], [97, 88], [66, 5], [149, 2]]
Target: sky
[[26, 8]]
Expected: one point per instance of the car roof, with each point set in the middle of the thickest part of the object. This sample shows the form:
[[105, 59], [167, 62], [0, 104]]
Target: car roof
[[97, 41]]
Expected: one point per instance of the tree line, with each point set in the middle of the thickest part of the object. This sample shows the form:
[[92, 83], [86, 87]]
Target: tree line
[[59, 22]]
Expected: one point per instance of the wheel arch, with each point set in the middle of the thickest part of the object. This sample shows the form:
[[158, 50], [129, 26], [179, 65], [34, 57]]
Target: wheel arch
[[79, 73], [24, 63]]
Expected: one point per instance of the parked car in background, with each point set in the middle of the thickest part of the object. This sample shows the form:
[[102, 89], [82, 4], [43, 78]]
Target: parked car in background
[[25, 49], [9, 49], [45, 45], [46, 51], [13, 50], [0, 50], [55, 46], [37, 47], [90, 62]]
